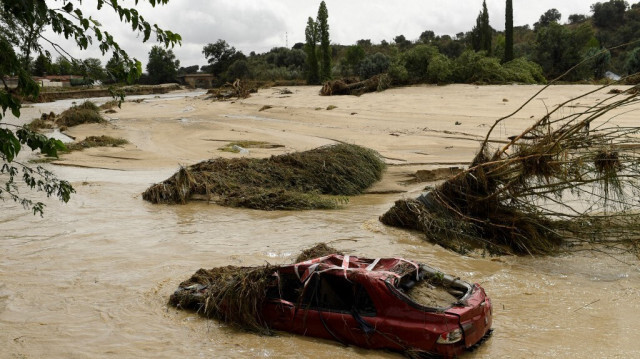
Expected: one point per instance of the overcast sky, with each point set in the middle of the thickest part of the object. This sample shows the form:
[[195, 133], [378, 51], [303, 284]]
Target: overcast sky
[[259, 25]]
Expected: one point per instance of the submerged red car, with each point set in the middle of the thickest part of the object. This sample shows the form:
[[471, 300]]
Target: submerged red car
[[384, 303]]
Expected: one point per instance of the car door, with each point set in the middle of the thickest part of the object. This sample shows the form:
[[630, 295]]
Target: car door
[[335, 308]]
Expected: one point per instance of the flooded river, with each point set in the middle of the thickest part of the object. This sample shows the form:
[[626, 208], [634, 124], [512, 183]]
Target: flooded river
[[92, 278]]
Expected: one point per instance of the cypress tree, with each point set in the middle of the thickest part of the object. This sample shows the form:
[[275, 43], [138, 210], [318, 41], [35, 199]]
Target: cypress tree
[[311, 34], [485, 30], [325, 46], [508, 32], [481, 33]]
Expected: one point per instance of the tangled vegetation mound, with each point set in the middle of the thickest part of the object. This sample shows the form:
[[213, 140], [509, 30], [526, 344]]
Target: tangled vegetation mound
[[350, 86], [238, 89], [302, 180], [319, 250], [235, 295], [97, 141], [571, 180], [87, 112], [45, 121]]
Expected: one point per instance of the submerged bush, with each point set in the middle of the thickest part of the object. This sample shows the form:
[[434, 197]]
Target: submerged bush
[[87, 112], [97, 141], [302, 180], [88, 105], [39, 124]]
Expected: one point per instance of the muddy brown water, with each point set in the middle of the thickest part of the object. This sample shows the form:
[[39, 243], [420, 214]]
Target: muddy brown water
[[92, 278]]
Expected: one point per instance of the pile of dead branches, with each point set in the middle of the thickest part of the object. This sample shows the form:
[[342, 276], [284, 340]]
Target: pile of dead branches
[[351, 86], [571, 180], [238, 89], [235, 295]]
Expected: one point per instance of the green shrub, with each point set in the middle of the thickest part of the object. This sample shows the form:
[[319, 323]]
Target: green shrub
[[398, 73], [88, 105], [39, 124], [86, 112], [373, 65], [476, 67], [524, 71], [632, 64], [416, 61], [238, 70], [598, 62], [440, 69]]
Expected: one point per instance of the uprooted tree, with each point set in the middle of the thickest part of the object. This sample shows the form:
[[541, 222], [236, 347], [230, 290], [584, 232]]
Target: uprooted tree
[[18, 18], [571, 180]]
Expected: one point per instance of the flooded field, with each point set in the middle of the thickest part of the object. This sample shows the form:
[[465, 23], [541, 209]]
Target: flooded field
[[92, 278]]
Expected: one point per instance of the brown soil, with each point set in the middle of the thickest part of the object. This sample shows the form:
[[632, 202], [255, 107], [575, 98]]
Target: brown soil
[[431, 296]]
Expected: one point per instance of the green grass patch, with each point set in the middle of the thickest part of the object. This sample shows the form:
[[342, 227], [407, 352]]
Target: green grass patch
[[233, 146], [45, 121], [109, 105], [39, 124], [96, 141], [87, 112], [315, 179], [41, 160], [88, 105]]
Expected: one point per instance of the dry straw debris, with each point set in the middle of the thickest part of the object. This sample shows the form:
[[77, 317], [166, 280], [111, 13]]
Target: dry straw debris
[[319, 250], [352, 86], [86, 112], [97, 141], [315, 179], [238, 89], [235, 295], [570, 181]]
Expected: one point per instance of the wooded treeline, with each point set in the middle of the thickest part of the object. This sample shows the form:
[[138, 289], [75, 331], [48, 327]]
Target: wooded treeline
[[527, 54]]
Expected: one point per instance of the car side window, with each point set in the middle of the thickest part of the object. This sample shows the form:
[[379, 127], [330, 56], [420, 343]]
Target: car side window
[[287, 287], [364, 303], [336, 294]]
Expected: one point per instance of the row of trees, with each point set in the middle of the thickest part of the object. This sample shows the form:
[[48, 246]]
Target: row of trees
[[554, 46], [317, 31], [162, 67]]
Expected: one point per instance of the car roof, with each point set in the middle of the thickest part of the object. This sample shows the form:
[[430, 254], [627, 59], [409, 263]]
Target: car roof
[[351, 267]]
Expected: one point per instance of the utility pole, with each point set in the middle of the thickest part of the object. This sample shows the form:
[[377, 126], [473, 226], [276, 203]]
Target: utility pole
[[286, 36]]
